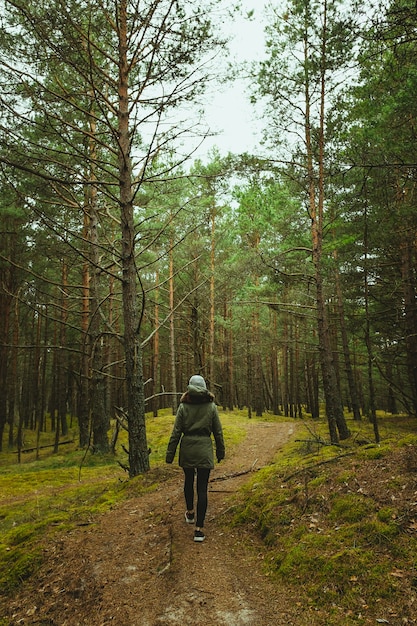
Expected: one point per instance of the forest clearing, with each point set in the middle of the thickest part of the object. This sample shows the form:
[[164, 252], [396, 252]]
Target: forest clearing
[[298, 533]]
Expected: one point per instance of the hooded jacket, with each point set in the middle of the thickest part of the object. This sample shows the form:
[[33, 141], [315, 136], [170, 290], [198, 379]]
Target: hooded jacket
[[196, 420]]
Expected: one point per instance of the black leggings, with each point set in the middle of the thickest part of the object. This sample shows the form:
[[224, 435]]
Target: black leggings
[[203, 475]]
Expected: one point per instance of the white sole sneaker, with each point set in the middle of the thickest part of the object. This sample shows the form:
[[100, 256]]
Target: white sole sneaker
[[199, 536]]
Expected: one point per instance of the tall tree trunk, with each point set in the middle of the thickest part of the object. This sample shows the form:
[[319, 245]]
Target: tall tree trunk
[[211, 372], [13, 385], [5, 311], [99, 418], [285, 368], [138, 448], [83, 412], [173, 355], [408, 274], [62, 381], [230, 369], [368, 341], [45, 357], [353, 392], [274, 369], [37, 378], [155, 365], [249, 377], [100, 422], [334, 409], [257, 395]]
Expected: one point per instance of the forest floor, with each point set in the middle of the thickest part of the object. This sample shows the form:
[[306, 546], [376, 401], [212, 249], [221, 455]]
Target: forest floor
[[138, 565]]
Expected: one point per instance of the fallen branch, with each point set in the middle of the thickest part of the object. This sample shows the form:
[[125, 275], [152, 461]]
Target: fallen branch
[[309, 467], [51, 445], [320, 442], [242, 473]]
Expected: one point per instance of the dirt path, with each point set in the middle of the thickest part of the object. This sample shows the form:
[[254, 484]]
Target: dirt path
[[139, 565]]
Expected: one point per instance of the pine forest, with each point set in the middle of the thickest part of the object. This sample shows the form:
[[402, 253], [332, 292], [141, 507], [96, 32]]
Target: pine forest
[[287, 276]]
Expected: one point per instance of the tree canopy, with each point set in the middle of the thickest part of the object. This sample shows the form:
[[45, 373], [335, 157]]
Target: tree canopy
[[287, 278]]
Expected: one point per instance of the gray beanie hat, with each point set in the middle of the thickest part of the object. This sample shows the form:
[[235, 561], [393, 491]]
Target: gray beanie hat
[[197, 381]]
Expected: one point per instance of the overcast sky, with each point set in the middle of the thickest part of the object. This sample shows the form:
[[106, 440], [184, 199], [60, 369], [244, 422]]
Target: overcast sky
[[230, 112]]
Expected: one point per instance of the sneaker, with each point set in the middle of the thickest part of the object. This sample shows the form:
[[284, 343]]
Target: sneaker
[[199, 535], [189, 517]]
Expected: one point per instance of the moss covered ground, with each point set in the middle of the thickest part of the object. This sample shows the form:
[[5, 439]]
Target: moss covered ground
[[341, 522], [337, 522]]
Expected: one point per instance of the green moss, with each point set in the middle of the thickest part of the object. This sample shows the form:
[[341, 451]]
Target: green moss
[[331, 572], [386, 514], [317, 482], [20, 534], [374, 451], [376, 532], [17, 564], [408, 440], [349, 508], [339, 547], [345, 476]]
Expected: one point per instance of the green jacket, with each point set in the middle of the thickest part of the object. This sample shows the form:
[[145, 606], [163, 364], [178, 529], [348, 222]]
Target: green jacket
[[196, 420]]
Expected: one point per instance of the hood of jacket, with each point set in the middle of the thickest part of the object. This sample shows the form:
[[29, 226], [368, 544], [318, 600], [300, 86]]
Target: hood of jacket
[[196, 395]]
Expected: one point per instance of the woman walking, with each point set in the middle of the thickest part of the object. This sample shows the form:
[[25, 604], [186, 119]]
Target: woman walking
[[196, 420]]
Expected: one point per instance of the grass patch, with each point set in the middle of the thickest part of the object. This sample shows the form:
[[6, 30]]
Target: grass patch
[[349, 508], [337, 523], [43, 496]]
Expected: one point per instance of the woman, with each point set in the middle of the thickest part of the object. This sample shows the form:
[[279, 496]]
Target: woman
[[197, 418]]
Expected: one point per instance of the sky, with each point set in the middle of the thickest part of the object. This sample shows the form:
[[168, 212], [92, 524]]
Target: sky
[[229, 112]]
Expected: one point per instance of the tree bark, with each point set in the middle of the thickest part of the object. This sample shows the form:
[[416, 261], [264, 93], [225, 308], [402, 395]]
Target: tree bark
[[155, 362], [334, 409], [138, 448], [173, 355], [83, 409], [346, 352], [62, 379], [408, 272]]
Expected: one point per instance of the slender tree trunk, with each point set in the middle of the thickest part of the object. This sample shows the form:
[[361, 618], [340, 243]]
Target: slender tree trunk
[[172, 329], [155, 364], [138, 448], [368, 342], [12, 388], [285, 368], [299, 411], [346, 351], [334, 409], [257, 395], [275, 380], [37, 376], [249, 381], [83, 412], [391, 401], [230, 362], [99, 418], [45, 356], [291, 373], [62, 381], [211, 372], [408, 272], [5, 311]]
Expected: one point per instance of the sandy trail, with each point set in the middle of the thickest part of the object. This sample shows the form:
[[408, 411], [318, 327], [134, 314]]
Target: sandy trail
[[139, 566]]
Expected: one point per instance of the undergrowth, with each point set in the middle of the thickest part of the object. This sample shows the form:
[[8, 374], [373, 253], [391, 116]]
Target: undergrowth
[[44, 496], [340, 523]]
